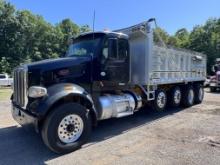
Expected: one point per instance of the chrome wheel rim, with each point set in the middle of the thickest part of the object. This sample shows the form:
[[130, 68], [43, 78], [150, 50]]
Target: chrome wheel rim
[[161, 100], [177, 96], [70, 128], [191, 96]]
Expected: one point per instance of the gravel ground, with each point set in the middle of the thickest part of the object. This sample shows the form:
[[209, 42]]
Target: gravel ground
[[179, 136]]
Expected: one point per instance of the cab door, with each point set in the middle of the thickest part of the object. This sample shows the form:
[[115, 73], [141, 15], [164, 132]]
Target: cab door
[[115, 60]]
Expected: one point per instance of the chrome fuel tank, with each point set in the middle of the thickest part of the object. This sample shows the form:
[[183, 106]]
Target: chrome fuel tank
[[116, 106]]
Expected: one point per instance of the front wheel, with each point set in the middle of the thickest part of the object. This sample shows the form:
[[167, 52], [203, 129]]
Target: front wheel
[[66, 128]]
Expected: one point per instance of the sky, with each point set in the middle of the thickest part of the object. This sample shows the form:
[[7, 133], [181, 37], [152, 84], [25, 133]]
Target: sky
[[171, 15]]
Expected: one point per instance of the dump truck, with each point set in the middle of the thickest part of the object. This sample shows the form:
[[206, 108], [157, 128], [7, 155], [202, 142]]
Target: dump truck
[[214, 83], [106, 74]]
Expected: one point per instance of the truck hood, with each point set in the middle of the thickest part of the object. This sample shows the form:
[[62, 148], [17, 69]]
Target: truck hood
[[46, 72], [52, 64]]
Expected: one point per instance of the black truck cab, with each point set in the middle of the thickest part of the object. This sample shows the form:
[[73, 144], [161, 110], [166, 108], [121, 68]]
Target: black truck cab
[[109, 52], [94, 63]]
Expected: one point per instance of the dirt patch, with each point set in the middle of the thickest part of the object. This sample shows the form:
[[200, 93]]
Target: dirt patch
[[183, 136], [205, 109], [211, 140], [5, 94]]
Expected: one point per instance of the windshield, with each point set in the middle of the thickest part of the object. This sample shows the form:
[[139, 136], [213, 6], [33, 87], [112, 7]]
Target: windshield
[[85, 47], [2, 76]]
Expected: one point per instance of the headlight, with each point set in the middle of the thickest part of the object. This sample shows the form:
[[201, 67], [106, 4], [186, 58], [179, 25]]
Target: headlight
[[36, 91]]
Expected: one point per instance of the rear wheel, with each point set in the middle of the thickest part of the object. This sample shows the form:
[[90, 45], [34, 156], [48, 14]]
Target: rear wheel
[[188, 96], [199, 93], [159, 104], [66, 128], [175, 97]]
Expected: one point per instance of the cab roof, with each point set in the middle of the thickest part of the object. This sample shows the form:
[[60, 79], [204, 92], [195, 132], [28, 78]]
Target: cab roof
[[109, 33]]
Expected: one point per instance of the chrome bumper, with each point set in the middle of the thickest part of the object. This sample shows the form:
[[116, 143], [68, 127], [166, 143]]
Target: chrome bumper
[[215, 84], [23, 118]]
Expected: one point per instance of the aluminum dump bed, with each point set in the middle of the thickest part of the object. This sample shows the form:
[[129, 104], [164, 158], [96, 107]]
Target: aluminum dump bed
[[152, 64]]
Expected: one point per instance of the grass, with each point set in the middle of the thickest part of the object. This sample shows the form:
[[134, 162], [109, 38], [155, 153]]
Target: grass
[[5, 93]]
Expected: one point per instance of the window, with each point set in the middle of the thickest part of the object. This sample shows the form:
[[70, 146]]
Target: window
[[111, 47], [105, 49], [104, 52], [119, 49], [2, 76], [122, 49], [83, 47]]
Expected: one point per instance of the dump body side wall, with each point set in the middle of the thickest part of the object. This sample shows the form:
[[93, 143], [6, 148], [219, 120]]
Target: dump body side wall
[[170, 65], [155, 65]]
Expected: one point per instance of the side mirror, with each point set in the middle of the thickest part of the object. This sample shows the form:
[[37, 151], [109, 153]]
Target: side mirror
[[112, 47], [213, 69]]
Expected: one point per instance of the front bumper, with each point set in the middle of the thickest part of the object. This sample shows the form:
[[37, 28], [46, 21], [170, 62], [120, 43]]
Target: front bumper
[[215, 84], [23, 117]]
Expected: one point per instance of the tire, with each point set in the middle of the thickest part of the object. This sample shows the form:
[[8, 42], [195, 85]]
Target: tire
[[212, 89], [61, 137], [199, 93], [188, 96], [175, 97], [160, 101]]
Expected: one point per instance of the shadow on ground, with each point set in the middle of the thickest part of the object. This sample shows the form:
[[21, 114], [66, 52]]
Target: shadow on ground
[[19, 146]]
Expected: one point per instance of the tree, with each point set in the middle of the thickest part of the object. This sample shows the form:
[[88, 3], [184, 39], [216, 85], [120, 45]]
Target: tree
[[84, 28], [160, 35], [25, 37], [5, 66], [9, 35], [173, 41], [68, 30], [182, 36], [206, 39]]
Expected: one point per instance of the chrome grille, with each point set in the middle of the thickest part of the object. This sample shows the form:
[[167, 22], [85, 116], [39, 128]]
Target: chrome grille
[[20, 86]]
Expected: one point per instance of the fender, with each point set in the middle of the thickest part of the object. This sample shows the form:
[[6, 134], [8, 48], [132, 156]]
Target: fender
[[59, 91]]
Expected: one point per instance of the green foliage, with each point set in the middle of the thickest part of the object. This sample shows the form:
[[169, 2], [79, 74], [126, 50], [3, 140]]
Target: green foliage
[[160, 35], [182, 36], [5, 65], [204, 39], [68, 29], [25, 37], [84, 29]]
